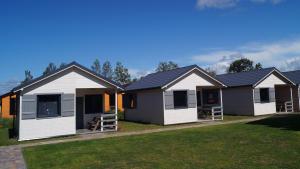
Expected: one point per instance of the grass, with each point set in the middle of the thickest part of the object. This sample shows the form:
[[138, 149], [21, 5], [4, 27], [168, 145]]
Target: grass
[[5, 125], [124, 126], [269, 143]]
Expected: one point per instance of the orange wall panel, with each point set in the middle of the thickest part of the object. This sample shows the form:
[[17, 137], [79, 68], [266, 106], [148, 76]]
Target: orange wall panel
[[5, 109], [120, 102], [106, 103]]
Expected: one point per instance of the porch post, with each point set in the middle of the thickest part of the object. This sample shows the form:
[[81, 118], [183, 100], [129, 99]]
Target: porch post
[[291, 90], [221, 101], [116, 109]]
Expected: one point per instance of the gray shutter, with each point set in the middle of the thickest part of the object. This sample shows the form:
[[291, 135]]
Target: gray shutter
[[29, 105], [67, 105], [272, 94], [192, 102], [257, 95], [169, 100]]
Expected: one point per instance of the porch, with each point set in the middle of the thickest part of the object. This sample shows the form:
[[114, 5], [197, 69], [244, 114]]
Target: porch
[[284, 98], [209, 103], [95, 110]]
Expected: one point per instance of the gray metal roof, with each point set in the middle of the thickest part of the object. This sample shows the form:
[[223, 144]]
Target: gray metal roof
[[62, 68], [293, 75], [160, 79], [244, 78]]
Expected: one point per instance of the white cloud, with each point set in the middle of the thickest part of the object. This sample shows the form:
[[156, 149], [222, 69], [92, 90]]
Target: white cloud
[[8, 85], [136, 73], [220, 4], [280, 54], [223, 4], [291, 64], [275, 2]]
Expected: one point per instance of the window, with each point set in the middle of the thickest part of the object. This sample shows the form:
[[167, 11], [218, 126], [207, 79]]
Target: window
[[112, 100], [130, 100], [211, 96], [199, 99], [13, 106], [48, 106], [180, 99], [93, 104], [264, 95]]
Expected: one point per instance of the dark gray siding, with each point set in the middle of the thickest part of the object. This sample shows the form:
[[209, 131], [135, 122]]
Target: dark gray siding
[[296, 98], [149, 107], [238, 101]]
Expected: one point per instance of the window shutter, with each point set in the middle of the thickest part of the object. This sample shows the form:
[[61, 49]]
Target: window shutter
[[169, 100], [257, 95], [272, 94], [192, 102], [29, 107], [67, 105]]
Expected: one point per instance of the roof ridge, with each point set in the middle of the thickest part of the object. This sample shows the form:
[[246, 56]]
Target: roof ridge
[[291, 71], [246, 71], [172, 69]]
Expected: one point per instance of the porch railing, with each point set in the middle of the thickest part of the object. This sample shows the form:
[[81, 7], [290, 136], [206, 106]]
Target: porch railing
[[289, 106], [217, 113], [108, 122]]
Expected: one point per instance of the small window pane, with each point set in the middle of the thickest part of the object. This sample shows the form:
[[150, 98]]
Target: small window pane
[[264, 95], [131, 100], [93, 104], [48, 106], [211, 96], [199, 98], [180, 99]]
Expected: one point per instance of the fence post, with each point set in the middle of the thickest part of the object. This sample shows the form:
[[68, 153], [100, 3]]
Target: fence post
[[101, 119]]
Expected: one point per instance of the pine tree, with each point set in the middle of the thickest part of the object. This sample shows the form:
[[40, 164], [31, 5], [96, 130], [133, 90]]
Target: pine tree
[[96, 67], [28, 76], [50, 68], [107, 70], [121, 74]]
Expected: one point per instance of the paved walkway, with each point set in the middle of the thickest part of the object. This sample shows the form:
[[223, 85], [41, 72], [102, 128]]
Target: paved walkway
[[11, 156]]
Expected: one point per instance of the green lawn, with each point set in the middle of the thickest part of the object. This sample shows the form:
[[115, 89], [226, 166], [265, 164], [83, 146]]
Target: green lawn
[[5, 124], [124, 126], [269, 143]]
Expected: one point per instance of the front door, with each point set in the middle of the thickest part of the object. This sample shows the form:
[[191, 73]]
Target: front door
[[79, 112]]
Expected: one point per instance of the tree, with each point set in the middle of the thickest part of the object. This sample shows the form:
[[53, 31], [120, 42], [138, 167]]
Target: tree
[[96, 67], [50, 68], [165, 66], [62, 65], [211, 72], [243, 65], [107, 70], [258, 66], [28, 76], [121, 74]]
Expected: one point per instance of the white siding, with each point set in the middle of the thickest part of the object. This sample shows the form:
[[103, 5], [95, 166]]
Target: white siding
[[189, 82], [65, 82], [271, 81], [267, 108]]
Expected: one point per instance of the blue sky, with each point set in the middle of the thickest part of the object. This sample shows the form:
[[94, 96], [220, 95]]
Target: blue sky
[[141, 33]]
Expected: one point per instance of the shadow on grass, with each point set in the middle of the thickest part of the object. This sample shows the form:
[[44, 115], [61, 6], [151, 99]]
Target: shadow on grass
[[286, 122]]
